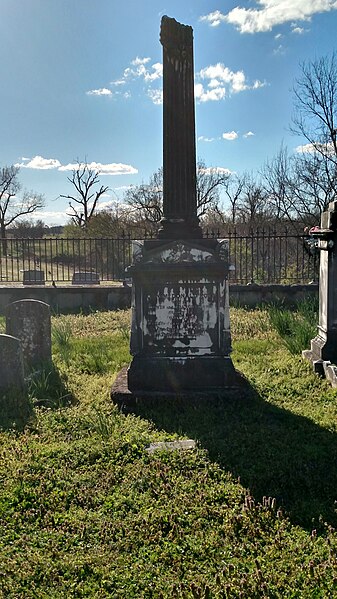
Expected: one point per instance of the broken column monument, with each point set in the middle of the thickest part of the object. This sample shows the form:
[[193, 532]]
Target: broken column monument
[[323, 350], [180, 333]]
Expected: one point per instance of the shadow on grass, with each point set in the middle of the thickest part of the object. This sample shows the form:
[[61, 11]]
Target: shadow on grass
[[45, 387], [16, 409], [273, 452]]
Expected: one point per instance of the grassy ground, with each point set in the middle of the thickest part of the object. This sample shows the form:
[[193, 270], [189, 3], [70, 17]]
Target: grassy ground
[[85, 511]]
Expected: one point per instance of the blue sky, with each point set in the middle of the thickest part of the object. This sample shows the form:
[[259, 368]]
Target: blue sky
[[82, 80]]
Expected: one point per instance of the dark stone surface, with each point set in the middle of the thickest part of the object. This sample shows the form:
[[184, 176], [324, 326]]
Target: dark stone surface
[[30, 321], [85, 278], [204, 374], [11, 363], [33, 277], [180, 337], [127, 401], [324, 347], [179, 154]]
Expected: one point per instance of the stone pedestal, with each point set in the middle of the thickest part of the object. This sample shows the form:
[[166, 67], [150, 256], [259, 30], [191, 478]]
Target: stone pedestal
[[324, 345], [180, 336]]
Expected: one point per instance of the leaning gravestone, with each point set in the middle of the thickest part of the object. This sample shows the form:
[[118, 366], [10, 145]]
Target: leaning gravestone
[[29, 320], [180, 334]]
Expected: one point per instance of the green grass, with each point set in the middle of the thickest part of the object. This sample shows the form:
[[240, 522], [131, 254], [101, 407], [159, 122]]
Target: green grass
[[295, 328], [85, 511]]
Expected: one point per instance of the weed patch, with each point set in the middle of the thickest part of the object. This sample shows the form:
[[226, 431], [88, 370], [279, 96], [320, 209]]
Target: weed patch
[[296, 329]]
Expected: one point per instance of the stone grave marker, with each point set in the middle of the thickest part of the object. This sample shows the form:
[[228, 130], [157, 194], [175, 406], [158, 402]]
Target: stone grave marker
[[29, 320], [33, 277], [11, 364], [85, 278], [323, 350]]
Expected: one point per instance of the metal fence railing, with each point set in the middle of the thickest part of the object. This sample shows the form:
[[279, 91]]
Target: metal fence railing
[[260, 256], [268, 256]]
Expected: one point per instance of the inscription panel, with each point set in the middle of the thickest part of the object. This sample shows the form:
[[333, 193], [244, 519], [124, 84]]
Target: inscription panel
[[181, 318]]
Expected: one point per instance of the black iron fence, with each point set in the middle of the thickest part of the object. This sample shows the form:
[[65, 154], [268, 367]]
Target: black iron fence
[[260, 256]]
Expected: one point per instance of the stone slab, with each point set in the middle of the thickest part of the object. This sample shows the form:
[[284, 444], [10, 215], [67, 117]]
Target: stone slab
[[85, 278], [331, 373], [183, 445], [127, 401], [33, 277]]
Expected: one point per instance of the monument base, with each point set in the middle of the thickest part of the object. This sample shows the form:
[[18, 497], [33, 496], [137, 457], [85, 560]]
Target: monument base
[[179, 375], [127, 400], [324, 347]]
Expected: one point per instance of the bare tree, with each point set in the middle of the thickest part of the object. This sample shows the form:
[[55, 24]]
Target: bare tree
[[253, 205], [298, 186], [234, 188], [84, 202], [315, 116], [146, 200], [13, 205], [210, 180]]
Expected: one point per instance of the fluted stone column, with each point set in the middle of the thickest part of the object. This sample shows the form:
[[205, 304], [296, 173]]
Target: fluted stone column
[[179, 155]]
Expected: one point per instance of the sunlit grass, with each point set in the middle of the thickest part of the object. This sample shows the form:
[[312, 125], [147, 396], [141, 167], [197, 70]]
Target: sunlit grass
[[85, 511]]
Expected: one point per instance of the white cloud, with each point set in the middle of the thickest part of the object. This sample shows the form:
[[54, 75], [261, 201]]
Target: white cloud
[[230, 135], [305, 149], [138, 61], [327, 149], [214, 18], [49, 217], [103, 91], [156, 96], [104, 169], [106, 204], [270, 13], [298, 30], [118, 82], [211, 170], [138, 69], [157, 72], [206, 139], [279, 50], [215, 94], [222, 80], [249, 134], [40, 163]]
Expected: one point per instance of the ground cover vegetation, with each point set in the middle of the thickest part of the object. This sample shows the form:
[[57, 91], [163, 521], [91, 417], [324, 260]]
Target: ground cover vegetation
[[86, 511]]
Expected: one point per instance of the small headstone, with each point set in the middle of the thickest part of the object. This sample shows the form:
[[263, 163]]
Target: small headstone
[[33, 277], [171, 446], [29, 320], [11, 363], [85, 278]]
